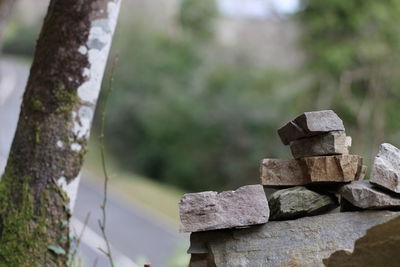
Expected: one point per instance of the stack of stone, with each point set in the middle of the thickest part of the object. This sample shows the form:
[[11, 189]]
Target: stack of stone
[[320, 149], [322, 170], [321, 156]]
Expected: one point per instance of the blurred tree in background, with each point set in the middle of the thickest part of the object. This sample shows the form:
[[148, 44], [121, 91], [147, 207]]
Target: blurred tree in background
[[189, 112], [194, 121], [182, 116], [353, 50], [6, 7], [198, 17], [21, 39]]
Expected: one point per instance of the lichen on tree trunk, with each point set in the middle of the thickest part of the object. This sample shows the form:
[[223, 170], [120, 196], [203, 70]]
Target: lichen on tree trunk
[[52, 133]]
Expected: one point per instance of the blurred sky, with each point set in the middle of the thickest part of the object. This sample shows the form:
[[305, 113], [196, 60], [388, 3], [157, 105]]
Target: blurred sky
[[256, 8]]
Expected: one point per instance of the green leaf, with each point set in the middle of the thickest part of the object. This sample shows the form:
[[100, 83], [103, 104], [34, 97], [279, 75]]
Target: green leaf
[[71, 235], [56, 249], [67, 207], [64, 239], [63, 224]]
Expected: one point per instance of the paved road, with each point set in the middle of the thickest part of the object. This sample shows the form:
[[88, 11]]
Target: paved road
[[135, 233], [13, 77]]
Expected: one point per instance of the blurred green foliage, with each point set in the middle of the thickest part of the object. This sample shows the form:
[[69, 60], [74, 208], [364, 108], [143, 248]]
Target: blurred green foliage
[[197, 17], [21, 38], [186, 119], [182, 114], [353, 50]]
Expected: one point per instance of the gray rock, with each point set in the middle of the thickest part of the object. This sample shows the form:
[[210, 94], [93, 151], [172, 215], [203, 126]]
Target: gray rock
[[346, 206], [333, 169], [211, 210], [309, 124], [333, 143], [301, 242], [201, 260], [386, 168], [364, 195], [296, 202]]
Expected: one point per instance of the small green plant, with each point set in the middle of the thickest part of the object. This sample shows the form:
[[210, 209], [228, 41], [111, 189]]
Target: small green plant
[[103, 221]]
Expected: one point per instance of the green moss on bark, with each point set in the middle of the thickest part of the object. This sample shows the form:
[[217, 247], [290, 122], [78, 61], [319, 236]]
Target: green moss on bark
[[37, 105], [37, 133], [23, 229], [34, 210], [66, 100]]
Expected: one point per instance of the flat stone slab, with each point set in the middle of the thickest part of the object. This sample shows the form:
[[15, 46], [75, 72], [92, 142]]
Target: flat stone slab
[[296, 202], [364, 195], [301, 242], [309, 124], [210, 210], [386, 169], [329, 169], [379, 247], [333, 143]]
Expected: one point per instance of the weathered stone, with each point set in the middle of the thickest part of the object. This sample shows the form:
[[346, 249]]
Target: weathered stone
[[379, 247], [386, 168], [364, 195], [361, 173], [296, 202], [333, 143], [343, 168], [346, 206], [201, 260], [309, 124], [211, 210], [301, 242], [283, 172]]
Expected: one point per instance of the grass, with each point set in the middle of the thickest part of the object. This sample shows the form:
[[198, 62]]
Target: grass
[[157, 197]]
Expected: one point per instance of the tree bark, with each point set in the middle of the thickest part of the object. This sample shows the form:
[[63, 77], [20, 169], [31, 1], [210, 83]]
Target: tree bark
[[6, 7], [42, 173]]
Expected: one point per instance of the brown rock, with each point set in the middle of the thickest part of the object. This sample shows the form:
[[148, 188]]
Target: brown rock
[[283, 172], [386, 168], [333, 143], [333, 168], [211, 210], [379, 247], [361, 173], [310, 124]]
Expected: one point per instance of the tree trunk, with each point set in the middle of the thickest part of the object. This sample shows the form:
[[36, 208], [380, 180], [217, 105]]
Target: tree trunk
[[42, 173], [6, 7]]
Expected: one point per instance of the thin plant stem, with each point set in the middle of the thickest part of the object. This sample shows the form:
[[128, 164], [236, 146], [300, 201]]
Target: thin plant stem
[[103, 221], [78, 240]]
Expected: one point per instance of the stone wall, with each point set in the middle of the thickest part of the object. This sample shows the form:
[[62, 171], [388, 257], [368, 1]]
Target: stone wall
[[307, 211]]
